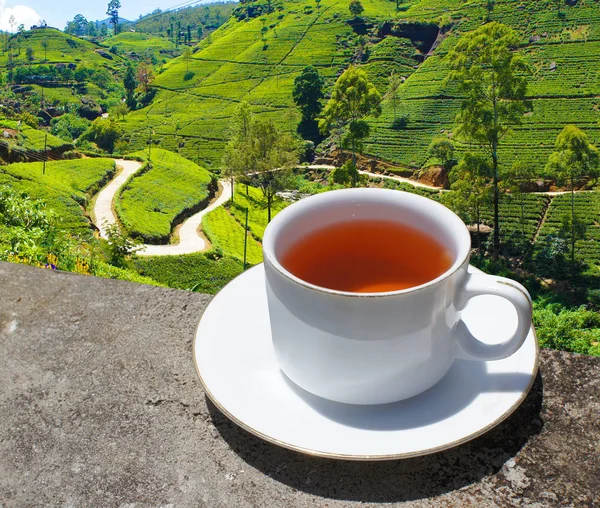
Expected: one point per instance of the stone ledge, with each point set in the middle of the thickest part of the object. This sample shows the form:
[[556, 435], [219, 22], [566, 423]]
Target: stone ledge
[[100, 406]]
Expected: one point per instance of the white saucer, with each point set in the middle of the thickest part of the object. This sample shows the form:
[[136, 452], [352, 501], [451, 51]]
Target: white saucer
[[238, 370]]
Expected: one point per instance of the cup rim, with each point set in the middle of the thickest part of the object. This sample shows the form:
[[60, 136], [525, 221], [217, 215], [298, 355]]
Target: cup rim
[[276, 224]]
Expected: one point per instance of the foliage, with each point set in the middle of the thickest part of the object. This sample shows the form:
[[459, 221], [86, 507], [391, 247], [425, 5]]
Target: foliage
[[271, 155], [69, 126], [236, 160], [198, 18], [393, 90], [472, 191], [346, 174], [25, 226], [576, 330], [355, 8], [442, 149], [191, 271], [130, 84], [28, 234], [121, 247], [155, 199], [492, 76], [144, 76], [105, 132], [227, 234], [575, 158], [308, 92], [353, 98]]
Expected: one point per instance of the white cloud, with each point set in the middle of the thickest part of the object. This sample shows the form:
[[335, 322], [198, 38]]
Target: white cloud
[[23, 15]]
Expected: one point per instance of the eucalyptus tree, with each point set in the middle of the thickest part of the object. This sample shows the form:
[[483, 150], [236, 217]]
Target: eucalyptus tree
[[492, 76]]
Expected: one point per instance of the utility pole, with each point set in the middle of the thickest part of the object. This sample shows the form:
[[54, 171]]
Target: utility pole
[[45, 153], [245, 238]]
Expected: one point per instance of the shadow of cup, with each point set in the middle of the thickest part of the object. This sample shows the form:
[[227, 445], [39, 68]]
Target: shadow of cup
[[419, 411], [394, 480]]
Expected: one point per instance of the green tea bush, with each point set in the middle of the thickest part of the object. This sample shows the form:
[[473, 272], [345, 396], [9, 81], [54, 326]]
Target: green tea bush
[[154, 201]]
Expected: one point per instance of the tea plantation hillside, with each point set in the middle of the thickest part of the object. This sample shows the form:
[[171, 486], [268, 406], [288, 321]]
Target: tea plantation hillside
[[256, 58], [161, 195], [65, 186], [142, 46], [49, 68]]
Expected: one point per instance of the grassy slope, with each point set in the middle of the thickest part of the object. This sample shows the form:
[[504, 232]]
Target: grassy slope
[[191, 271], [225, 233], [29, 138], [63, 49], [564, 95], [235, 64], [139, 42], [66, 187], [59, 49], [149, 204]]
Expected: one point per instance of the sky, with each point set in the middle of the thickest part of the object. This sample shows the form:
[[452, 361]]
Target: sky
[[57, 12]]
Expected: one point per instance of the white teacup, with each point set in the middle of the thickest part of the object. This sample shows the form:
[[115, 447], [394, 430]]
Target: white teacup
[[375, 348]]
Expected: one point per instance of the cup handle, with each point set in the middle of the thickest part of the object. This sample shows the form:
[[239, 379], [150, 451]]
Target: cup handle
[[479, 283]]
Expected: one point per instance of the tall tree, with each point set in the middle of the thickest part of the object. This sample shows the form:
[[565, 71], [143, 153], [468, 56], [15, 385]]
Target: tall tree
[[144, 76], [393, 90], [187, 56], [516, 180], [489, 7], [353, 98], [272, 155], [470, 183], [236, 160], [113, 13], [308, 92], [443, 149], [574, 159], [79, 26], [355, 8], [130, 84], [493, 78], [45, 46]]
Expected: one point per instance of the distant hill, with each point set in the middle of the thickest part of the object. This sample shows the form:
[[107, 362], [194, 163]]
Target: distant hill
[[207, 17], [106, 22], [61, 69], [256, 55]]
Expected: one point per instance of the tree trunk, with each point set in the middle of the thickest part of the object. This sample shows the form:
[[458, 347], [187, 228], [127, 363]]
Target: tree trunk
[[572, 224], [232, 188], [478, 229], [269, 199], [496, 202]]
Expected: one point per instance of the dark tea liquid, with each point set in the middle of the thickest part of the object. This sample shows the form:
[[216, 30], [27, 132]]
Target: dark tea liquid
[[367, 256]]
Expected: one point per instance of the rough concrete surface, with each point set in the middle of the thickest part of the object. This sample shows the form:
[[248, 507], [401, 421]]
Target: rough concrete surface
[[100, 406]]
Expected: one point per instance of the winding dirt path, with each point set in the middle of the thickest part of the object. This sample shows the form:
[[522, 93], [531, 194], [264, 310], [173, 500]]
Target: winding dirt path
[[414, 183], [190, 240], [103, 209]]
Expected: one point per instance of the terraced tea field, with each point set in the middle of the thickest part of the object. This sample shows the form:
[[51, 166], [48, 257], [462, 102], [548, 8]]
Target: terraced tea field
[[587, 211], [156, 198], [257, 60], [66, 187]]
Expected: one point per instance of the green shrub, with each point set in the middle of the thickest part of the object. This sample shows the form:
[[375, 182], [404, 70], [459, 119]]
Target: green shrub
[[191, 271], [225, 233]]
